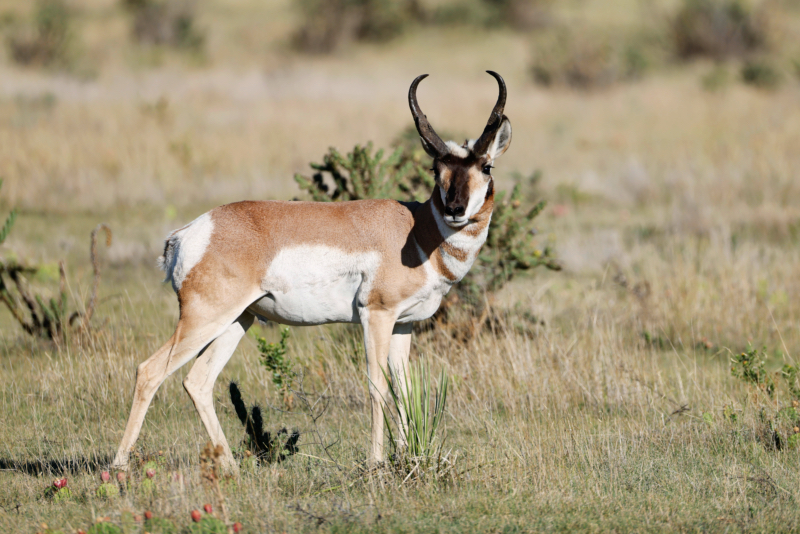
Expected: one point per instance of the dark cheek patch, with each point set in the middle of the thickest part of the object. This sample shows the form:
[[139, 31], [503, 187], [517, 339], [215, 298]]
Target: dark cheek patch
[[490, 189]]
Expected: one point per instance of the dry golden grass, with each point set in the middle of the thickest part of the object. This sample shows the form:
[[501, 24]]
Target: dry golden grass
[[674, 209]]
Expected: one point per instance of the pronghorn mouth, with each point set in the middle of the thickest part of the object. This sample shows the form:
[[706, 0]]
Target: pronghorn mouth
[[456, 222]]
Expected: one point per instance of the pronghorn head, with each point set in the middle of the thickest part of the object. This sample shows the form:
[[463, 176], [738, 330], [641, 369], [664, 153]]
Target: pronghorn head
[[463, 172]]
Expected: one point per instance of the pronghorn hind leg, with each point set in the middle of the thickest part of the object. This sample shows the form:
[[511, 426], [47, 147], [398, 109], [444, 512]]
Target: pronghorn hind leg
[[190, 336], [399, 350], [199, 383], [378, 326]]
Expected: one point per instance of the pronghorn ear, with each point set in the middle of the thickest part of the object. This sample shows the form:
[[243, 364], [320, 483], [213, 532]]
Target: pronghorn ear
[[501, 141], [429, 149]]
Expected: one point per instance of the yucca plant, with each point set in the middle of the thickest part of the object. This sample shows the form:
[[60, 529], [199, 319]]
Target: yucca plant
[[420, 412]]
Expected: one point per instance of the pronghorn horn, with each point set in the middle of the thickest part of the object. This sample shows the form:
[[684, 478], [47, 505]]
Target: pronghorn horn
[[495, 120], [426, 131]]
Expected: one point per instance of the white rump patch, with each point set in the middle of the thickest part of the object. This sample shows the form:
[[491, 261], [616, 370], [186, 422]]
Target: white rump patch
[[316, 284], [185, 248]]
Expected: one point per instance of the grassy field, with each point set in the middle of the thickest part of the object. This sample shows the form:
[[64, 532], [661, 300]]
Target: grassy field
[[674, 210]]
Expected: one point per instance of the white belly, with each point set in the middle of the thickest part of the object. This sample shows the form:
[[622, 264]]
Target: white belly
[[311, 304], [421, 307], [315, 284]]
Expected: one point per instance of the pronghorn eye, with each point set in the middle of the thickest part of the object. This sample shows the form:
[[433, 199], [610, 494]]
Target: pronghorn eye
[[487, 169]]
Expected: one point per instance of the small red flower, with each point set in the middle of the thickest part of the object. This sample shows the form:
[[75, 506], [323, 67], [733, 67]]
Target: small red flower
[[121, 477], [148, 514], [150, 473], [207, 508], [237, 527], [105, 476], [196, 516]]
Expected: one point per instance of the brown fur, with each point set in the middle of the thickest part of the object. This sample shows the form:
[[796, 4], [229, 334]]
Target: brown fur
[[248, 235]]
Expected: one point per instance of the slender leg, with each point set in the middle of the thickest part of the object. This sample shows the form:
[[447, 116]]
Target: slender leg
[[199, 383], [399, 349], [190, 336], [377, 334]]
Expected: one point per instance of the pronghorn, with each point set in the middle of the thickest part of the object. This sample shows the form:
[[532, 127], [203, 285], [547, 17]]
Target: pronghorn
[[381, 263]]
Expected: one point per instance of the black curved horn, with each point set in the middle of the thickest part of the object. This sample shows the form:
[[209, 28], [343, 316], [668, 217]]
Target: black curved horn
[[495, 119], [426, 131]]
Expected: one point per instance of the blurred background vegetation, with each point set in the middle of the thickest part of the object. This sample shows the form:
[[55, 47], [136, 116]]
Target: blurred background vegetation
[[152, 65], [577, 43]]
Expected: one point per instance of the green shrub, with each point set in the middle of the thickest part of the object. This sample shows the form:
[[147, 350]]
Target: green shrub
[[511, 248], [328, 24], [166, 22], [50, 41], [360, 174], [38, 316], [581, 60], [107, 490], [104, 528], [749, 367], [9, 223], [718, 29], [159, 525], [520, 15], [273, 358], [208, 525], [716, 79], [776, 400], [761, 74]]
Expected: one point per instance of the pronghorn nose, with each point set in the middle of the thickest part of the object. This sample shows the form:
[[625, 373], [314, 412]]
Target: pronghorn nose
[[454, 211]]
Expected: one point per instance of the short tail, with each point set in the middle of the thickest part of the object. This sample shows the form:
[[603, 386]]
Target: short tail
[[166, 262]]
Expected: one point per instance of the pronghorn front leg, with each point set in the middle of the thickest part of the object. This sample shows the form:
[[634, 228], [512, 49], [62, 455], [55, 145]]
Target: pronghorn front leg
[[399, 349], [378, 326]]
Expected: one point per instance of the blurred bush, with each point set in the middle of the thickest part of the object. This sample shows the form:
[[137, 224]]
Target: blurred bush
[[761, 73], [517, 14], [48, 41], [582, 61], [520, 14], [166, 22], [719, 29], [328, 24], [511, 248], [716, 79]]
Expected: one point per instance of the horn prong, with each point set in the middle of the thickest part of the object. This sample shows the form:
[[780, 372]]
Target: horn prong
[[426, 131], [495, 119]]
